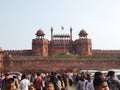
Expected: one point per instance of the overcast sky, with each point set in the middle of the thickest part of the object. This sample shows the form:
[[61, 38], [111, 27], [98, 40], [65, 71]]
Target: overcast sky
[[20, 20]]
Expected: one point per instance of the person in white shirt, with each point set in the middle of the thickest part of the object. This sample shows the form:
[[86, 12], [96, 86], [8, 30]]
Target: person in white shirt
[[24, 83], [82, 83], [90, 82], [97, 74], [71, 78]]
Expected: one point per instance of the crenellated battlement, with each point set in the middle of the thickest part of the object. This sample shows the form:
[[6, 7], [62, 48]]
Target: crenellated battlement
[[19, 52], [98, 52], [106, 52]]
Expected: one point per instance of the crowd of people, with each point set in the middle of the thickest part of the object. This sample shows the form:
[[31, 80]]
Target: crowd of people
[[35, 81], [98, 82], [60, 81]]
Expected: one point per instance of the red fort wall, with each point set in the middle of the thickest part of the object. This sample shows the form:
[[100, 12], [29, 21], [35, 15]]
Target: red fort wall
[[58, 65]]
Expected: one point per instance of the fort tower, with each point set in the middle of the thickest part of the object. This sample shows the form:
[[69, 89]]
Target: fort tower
[[83, 45], [40, 44]]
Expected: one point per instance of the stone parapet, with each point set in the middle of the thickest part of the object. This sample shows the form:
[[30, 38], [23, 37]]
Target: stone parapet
[[57, 65], [106, 52]]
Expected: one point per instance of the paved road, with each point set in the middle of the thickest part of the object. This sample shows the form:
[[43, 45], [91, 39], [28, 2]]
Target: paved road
[[71, 88]]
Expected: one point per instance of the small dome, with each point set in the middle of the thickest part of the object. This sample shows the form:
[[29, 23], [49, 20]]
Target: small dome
[[83, 33], [40, 33]]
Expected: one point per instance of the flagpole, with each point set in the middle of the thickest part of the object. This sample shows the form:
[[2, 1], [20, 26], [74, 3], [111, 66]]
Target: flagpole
[[64, 46], [62, 28]]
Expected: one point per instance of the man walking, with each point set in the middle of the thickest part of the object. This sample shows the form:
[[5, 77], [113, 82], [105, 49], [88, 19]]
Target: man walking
[[24, 83]]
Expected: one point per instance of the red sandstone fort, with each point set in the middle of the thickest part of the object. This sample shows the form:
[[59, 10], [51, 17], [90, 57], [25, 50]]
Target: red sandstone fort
[[61, 44]]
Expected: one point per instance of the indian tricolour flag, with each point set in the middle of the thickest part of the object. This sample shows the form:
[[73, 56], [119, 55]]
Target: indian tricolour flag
[[62, 28]]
